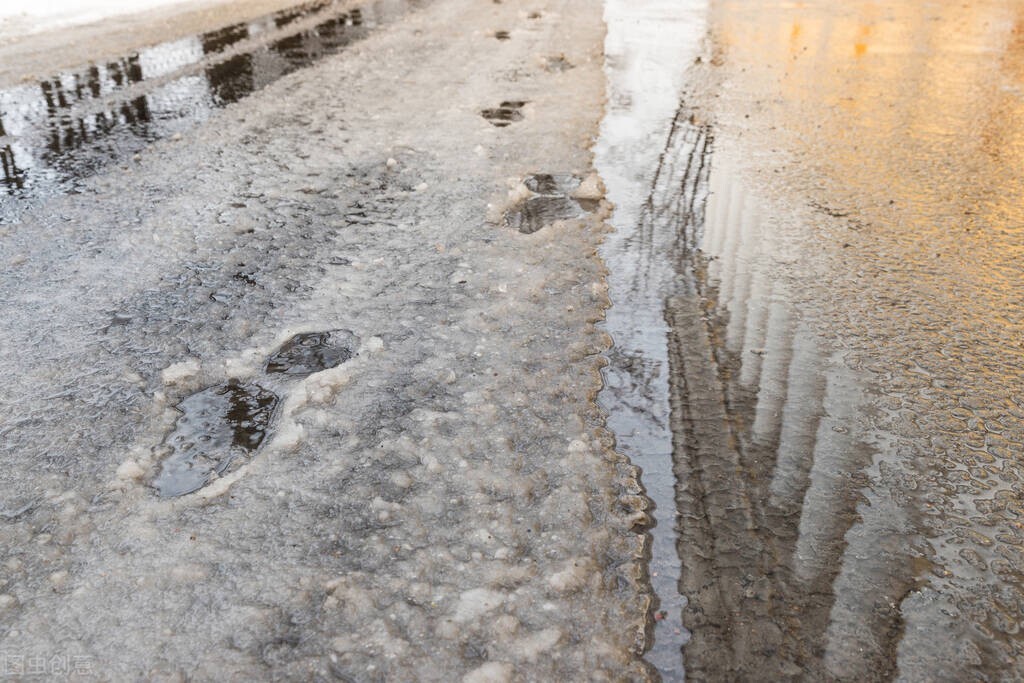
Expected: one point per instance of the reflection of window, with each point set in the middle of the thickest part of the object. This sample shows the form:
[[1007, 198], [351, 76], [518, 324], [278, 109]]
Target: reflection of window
[[232, 79], [217, 41], [129, 69], [72, 124], [13, 176]]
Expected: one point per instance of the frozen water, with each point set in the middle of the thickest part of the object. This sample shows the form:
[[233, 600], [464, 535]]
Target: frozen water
[[445, 502]]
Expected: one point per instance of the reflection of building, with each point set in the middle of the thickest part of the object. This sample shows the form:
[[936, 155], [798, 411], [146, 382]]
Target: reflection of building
[[72, 124], [14, 177], [893, 444], [67, 131]]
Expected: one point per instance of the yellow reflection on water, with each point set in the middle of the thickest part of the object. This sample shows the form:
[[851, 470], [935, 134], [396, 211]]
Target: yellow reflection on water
[[893, 137], [910, 114]]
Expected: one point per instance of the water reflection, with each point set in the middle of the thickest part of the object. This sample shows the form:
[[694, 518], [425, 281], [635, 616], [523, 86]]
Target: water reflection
[[69, 126], [845, 347], [648, 49], [772, 447]]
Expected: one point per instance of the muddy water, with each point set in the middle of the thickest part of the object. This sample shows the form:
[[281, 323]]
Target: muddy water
[[55, 132]]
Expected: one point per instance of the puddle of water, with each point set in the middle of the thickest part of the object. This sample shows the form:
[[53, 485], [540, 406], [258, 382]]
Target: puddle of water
[[849, 403], [504, 114], [73, 124], [552, 184], [218, 426], [648, 48], [222, 424], [825, 360], [311, 352], [552, 201], [533, 214]]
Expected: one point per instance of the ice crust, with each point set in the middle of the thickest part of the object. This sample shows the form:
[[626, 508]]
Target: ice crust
[[445, 505]]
